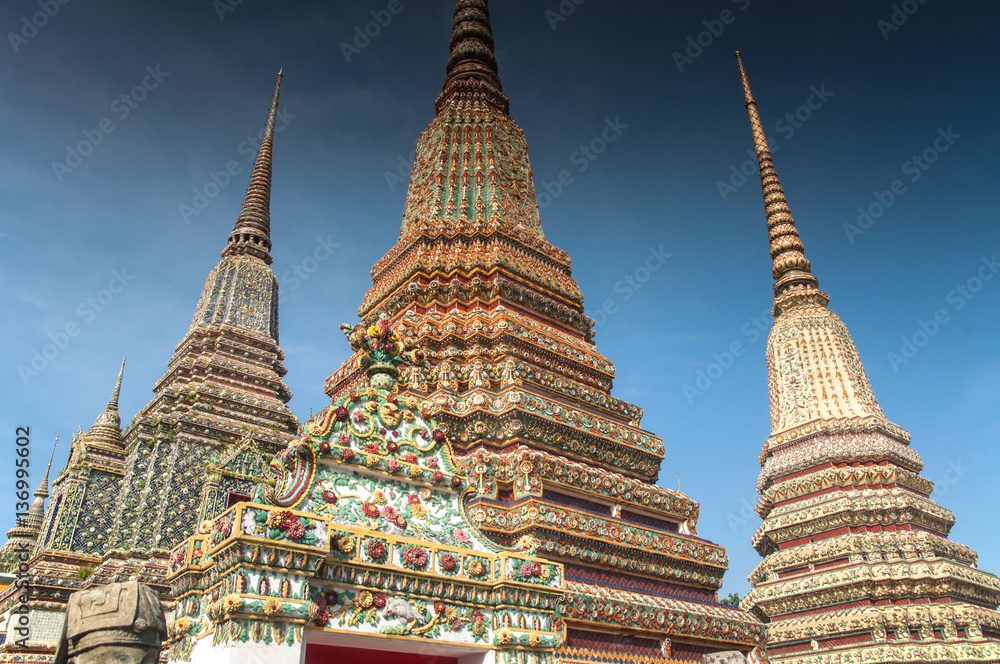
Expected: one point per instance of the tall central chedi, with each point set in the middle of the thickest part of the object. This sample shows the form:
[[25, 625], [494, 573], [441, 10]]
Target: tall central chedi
[[514, 375], [857, 565]]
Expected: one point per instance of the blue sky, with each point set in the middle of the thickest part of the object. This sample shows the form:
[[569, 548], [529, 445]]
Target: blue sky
[[205, 70]]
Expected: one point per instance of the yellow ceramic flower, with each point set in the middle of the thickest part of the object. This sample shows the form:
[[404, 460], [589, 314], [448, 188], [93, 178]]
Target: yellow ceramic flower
[[412, 403], [271, 606], [232, 603], [394, 336], [416, 471], [546, 574], [450, 613], [365, 599], [408, 415], [419, 512], [205, 527], [371, 406], [534, 640], [504, 636], [274, 520], [371, 461], [425, 494], [182, 626], [313, 611], [345, 544], [378, 498], [476, 568], [373, 331], [478, 627]]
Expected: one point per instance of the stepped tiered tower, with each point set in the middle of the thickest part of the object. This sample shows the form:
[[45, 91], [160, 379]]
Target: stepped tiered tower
[[223, 390], [124, 499], [515, 376], [857, 565]]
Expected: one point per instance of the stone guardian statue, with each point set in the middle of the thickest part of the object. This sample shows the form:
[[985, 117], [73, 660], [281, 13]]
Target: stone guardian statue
[[120, 623]]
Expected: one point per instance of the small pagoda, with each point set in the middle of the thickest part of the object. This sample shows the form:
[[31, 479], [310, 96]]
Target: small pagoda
[[857, 563]]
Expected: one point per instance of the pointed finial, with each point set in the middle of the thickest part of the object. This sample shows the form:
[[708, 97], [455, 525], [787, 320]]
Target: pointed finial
[[251, 236], [790, 265], [43, 488], [472, 57], [113, 402]]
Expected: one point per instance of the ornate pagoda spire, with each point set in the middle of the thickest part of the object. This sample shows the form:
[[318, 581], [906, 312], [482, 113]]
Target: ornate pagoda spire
[[846, 513], [813, 366], [472, 64], [790, 267], [251, 235], [43, 488], [113, 402], [106, 431], [471, 44], [242, 291], [494, 307]]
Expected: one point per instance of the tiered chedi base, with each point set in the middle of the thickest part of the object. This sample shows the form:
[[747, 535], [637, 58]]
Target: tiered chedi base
[[857, 566], [217, 413], [525, 396]]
